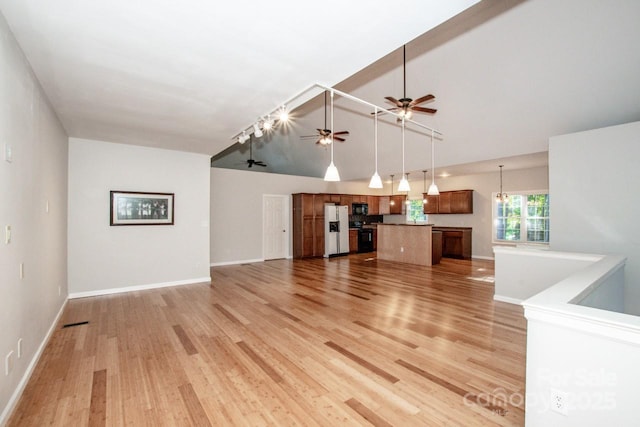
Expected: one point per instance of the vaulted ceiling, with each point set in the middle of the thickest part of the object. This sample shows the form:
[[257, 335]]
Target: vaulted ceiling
[[190, 75]]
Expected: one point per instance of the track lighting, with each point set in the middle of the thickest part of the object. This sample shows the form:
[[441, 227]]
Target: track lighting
[[268, 123], [257, 132], [243, 137], [283, 114]]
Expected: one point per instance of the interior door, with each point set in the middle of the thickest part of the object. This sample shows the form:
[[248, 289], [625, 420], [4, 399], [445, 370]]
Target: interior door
[[275, 220]]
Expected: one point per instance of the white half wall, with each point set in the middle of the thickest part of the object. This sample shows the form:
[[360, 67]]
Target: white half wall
[[236, 208], [484, 185], [593, 177], [103, 258], [33, 202]]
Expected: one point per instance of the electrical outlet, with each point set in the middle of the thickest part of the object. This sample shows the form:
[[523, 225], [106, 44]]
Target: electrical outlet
[[19, 348], [7, 234], [401, 248], [22, 270], [8, 363], [559, 401], [46, 207], [59, 290]]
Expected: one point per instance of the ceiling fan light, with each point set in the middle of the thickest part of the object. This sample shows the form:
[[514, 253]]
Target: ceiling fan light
[[332, 173], [257, 132], [433, 190], [376, 181], [404, 185]]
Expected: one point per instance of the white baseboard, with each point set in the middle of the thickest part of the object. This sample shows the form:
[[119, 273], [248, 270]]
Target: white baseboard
[[11, 404], [244, 261], [75, 295], [489, 258], [507, 299]]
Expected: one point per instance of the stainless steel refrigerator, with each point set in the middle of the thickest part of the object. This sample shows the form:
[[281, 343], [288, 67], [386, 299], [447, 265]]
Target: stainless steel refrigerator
[[336, 230]]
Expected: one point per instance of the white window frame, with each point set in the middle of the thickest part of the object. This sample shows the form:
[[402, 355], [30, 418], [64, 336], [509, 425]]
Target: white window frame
[[523, 222]]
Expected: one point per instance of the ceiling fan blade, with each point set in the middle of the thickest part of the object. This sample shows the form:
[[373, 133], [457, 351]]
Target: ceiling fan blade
[[337, 138], [425, 110], [261, 164], [393, 100], [421, 100], [344, 132], [308, 136]]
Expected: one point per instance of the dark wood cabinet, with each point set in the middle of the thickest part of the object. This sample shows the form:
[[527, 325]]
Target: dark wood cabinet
[[431, 207], [308, 225], [456, 242], [397, 207], [450, 202], [347, 200], [384, 208], [353, 241], [374, 205], [444, 203], [375, 239]]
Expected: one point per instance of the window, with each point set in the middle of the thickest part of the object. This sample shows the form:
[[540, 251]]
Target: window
[[523, 218], [415, 211]]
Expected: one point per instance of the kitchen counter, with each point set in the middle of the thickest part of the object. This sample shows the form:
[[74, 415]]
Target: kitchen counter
[[409, 243]]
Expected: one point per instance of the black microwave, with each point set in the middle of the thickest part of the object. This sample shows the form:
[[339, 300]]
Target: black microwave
[[359, 209]]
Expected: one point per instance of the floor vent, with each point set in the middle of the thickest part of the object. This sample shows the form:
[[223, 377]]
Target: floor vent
[[68, 325]]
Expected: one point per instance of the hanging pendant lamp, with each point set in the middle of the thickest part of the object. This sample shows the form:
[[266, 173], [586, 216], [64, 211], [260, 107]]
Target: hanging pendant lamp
[[332, 171], [501, 197], [392, 202], [433, 188], [376, 181], [424, 186], [404, 183]]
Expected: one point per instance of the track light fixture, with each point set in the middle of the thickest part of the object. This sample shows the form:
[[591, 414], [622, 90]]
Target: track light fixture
[[268, 123], [257, 132], [243, 137]]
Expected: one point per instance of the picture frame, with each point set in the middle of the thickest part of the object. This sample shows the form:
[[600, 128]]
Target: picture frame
[[140, 208]]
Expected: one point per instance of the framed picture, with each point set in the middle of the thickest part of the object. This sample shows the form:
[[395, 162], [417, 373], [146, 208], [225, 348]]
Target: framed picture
[[137, 208]]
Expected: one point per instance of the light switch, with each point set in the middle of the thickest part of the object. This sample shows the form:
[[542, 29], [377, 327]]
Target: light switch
[[8, 153], [7, 234]]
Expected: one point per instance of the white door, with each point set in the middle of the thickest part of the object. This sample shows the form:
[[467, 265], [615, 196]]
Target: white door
[[275, 226]]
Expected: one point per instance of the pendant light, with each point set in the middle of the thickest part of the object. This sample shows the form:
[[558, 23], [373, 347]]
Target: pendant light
[[392, 202], [424, 186], [406, 200], [332, 171], [433, 188], [404, 183], [501, 197], [376, 181]]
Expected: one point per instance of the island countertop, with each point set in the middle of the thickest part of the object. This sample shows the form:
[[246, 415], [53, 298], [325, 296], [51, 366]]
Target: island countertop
[[410, 243]]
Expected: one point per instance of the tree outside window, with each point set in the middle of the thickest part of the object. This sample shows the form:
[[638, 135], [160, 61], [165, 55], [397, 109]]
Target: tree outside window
[[524, 217]]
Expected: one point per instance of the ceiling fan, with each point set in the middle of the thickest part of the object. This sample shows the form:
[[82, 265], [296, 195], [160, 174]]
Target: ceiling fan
[[405, 106], [324, 135], [250, 161]]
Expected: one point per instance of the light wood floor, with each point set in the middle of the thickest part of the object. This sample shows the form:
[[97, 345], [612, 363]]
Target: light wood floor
[[346, 341]]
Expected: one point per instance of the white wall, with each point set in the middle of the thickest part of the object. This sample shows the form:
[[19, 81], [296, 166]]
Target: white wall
[[236, 208], [522, 273], [593, 180], [37, 175], [104, 258], [484, 185]]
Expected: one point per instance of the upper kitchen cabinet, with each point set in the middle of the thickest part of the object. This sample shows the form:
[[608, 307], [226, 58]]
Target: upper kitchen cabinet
[[450, 202], [398, 205], [431, 207], [374, 205], [383, 205], [347, 200]]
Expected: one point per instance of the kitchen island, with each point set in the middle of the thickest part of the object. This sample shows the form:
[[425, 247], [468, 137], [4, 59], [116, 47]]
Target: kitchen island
[[409, 243]]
